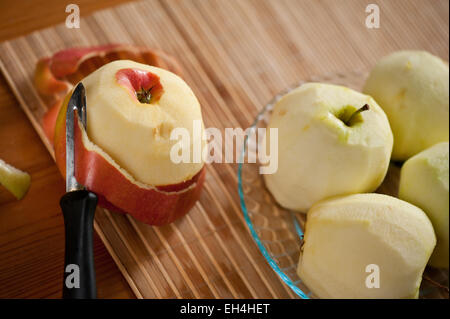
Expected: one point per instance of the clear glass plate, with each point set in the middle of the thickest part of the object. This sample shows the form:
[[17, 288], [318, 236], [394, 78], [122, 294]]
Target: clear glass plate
[[277, 231]]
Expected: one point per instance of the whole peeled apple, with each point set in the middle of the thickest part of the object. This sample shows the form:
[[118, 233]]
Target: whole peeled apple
[[412, 88], [365, 246], [331, 141], [424, 183], [124, 154]]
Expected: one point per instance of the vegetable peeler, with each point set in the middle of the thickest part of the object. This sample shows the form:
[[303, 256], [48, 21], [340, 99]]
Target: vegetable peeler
[[78, 207]]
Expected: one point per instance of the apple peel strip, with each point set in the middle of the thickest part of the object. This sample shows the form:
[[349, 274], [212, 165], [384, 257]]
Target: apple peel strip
[[177, 199]]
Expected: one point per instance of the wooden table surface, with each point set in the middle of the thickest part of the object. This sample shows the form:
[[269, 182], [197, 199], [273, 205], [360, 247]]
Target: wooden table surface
[[31, 230]]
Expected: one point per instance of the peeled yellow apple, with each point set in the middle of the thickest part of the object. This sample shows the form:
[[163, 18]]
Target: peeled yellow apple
[[325, 146], [412, 88], [14, 180], [365, 246], [424, 183]]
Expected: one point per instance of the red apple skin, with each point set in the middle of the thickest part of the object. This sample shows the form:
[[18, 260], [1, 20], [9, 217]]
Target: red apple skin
[[135, 80], [67, 61], [45, 81], [159, 205], [49, 120]]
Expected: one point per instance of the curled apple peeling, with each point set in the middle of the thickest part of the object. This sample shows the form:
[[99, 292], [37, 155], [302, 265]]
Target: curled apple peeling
[[124, 155], [45, 82]]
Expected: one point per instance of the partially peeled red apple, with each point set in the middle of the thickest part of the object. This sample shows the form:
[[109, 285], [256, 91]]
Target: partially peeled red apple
[[124, 156]]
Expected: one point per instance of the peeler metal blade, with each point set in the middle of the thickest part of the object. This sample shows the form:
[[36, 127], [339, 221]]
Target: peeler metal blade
[[76, 103]]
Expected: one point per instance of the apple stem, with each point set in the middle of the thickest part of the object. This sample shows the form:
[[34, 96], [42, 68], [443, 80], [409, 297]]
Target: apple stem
[[365, 107], [144, 96]]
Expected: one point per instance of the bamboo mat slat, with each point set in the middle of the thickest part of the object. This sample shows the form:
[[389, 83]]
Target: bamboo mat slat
[[235, 55]]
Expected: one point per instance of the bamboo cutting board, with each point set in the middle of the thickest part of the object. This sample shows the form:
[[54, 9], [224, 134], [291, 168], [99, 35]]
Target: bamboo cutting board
[[235, 55]]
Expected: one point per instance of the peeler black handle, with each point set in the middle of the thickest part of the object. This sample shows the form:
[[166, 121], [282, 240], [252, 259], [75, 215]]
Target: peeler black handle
[[78, 208]]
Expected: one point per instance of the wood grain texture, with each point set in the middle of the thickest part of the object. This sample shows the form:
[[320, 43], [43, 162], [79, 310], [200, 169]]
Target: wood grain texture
[[32, 230], [24, 16], [236, 55]]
